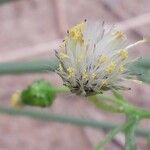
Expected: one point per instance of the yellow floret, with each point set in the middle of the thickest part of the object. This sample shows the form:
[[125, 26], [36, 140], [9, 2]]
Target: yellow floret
[[70, 71], [76, 32], [15, 100], [80, 57], [60, 68], [121, 68], [110, 68], [103, 58], [123, 54], [104, 82], [93, 75], [119, 35], [63, 55], [84, 74]]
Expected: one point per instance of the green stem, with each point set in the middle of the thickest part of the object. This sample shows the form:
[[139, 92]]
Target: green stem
[[47, 116], [5, 1], [28, 66], [60, 89], [101, 103], [127, 108], [130, 133], [130, 109], [109, 136]]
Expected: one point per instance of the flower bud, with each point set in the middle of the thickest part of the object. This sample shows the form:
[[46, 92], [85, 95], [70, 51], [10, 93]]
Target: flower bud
[[39, 93]]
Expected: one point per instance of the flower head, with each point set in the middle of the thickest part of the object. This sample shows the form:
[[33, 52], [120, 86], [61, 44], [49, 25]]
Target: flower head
[[93, 58]]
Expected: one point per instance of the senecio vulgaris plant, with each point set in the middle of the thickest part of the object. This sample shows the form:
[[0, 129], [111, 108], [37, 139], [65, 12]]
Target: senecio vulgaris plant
[[93, 58]]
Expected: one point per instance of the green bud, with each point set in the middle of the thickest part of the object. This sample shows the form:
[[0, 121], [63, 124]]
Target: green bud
[[39, 93]]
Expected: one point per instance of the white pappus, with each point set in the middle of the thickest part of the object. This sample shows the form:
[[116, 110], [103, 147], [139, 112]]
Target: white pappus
[[93, 58]]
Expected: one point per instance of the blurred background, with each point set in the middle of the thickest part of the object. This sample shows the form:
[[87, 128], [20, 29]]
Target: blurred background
[[33, 29]]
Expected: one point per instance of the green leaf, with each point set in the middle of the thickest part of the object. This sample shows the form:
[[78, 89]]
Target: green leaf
[[141, 68]]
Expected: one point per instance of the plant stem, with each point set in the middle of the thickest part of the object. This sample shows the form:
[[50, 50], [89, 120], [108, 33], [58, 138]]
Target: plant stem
[[47, 116], [110, 135], [28, 66], [101, 103], [60, 89], [130, 133], [127, 108]]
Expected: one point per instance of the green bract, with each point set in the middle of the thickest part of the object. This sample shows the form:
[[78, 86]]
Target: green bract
[[39, 93]]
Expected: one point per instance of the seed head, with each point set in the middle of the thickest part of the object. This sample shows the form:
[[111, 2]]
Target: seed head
[[93, 58]]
